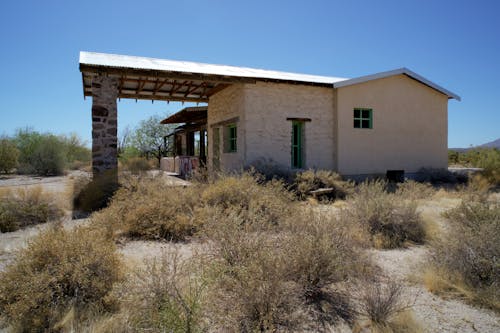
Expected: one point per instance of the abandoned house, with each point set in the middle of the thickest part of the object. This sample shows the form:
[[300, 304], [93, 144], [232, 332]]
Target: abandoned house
[[390, 121]]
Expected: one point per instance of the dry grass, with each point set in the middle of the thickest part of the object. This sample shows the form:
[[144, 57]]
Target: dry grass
[[146, 208], [384, 309], [281, 278], [391, 221], [465, 261], [59, 271], [27, 206], [165, 296], [412, 190]]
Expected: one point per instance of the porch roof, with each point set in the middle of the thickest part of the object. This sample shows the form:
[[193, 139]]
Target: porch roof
[[193, 114]]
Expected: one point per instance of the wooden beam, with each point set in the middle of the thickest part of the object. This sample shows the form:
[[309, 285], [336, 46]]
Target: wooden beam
[[216, 89], [96, 69], [192, 90], [140, 86], [159, 98], [176, 89]]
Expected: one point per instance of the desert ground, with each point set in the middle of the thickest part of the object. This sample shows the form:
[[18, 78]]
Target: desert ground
[[434, 313]]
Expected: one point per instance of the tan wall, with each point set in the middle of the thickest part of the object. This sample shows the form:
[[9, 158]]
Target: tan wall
[[268, 133], [223, 106], [410, 127]]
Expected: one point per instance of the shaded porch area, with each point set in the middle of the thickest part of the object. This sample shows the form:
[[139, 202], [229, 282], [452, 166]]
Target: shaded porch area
[[189, 141]]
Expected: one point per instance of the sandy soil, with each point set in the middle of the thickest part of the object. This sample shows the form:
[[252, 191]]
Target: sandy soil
[[434, 313]]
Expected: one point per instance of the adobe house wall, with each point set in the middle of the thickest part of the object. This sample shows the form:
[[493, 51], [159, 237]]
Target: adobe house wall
[[410, 127], [268, 132]]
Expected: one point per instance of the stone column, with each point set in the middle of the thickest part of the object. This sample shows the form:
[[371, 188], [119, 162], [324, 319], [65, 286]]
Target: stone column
[[104, 126]]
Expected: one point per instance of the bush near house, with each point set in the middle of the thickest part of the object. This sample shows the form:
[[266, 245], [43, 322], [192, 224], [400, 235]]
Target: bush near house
[[466, 260], [146, 208], [391, 221], [25, 207], [59, 272], [9, 155], [486, 158]]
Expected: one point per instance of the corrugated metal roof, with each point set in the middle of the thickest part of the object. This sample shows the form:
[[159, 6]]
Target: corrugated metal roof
[[124, 61], [398, 71]]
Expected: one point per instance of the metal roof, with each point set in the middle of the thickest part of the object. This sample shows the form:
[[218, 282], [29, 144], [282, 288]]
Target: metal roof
[[124, 61], [192, 114], [171, 80], [398, 71]]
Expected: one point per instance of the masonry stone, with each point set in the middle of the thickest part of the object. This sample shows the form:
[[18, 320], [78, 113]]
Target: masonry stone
[[104, 124]]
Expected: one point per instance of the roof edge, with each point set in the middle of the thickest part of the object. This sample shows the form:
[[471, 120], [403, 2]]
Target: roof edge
[[398, 71]]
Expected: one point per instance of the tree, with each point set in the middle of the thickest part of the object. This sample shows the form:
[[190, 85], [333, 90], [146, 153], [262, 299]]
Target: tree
[[148, 137], [8, 155]]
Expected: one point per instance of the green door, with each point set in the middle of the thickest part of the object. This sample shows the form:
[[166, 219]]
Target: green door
[[297, 137]]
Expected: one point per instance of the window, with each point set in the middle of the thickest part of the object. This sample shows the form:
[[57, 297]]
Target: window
[[297, 140], [363, 118], [232, 144]]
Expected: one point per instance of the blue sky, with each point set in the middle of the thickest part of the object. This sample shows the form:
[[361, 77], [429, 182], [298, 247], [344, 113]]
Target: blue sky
[[455, 44]]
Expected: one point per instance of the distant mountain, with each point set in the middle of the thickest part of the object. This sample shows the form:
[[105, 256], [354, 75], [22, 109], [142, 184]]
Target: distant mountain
[[492, 144]]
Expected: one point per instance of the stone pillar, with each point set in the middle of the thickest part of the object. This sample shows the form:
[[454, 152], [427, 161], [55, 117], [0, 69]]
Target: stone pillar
[[104, 126]]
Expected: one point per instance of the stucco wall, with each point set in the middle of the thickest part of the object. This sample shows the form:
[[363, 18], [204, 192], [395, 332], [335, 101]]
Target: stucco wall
[[410, 127], [224, 105], [268, 132]]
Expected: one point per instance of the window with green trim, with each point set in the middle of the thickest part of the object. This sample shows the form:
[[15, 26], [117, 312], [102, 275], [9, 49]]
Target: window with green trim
[[297, 141], [363, 118], [232, 139]]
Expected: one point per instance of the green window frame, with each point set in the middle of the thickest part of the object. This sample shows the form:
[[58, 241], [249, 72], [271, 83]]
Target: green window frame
[[363, 118], [232, 138], [297, 142]]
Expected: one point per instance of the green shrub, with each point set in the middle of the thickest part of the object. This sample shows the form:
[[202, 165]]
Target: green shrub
[[390, 220], [166, 296], [311, 180], [467, 258], [27, 207], [9, 155], [58, 271]]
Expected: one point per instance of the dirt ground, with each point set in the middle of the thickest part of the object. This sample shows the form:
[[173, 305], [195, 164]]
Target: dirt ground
[[434, 313]]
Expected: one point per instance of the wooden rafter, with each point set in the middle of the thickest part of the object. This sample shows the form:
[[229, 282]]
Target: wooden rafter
[[176, 89], [140, 86], [216, 89], [160, 85], [193, 89]]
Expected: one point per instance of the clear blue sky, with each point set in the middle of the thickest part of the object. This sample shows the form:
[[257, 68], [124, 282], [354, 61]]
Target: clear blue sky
[[455, 44]]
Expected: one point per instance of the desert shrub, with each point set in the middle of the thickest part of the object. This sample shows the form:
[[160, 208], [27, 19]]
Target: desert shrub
[[9, 155], [59, 270], [311, 180], [136, 165], [391, 222], [257, 201], [252, 292], [25, 207], [384, 309], [466, 260], [166, 295], [413, 190], [149, 209], [278, 278]]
